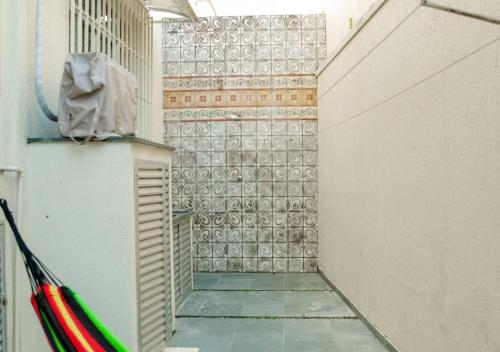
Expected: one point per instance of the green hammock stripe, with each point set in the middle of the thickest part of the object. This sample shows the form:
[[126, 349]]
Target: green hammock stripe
[[100, 326], [59, 346]]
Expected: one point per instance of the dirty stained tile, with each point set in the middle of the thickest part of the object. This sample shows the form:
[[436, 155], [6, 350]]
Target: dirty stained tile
[[240, 106]]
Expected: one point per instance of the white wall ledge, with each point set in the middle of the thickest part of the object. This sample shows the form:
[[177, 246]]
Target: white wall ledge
[[442, 5], [358, 26]]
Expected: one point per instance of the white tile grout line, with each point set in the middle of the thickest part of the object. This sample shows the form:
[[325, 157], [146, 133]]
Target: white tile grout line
[[283, 335], [232, 341]]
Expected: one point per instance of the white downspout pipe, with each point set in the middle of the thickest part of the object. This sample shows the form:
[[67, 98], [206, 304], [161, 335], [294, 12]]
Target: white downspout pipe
[[40, 97], [17, 193], [11, 169], [17, 196]]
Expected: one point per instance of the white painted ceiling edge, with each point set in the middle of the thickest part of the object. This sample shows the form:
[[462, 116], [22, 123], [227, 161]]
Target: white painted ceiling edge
[[182, 8]]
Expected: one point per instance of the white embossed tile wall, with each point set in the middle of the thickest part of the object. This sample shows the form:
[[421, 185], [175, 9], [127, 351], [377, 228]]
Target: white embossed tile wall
[[240, 106]]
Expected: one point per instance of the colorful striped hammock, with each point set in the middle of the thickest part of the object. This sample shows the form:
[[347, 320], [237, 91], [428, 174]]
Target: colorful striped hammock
[[67, 322]]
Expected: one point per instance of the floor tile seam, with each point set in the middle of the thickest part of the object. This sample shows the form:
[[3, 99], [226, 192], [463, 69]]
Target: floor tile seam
[[252, 290], [181, 316]]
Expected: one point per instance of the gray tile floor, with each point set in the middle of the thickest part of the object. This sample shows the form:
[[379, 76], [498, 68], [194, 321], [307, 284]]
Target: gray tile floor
[[269, 313], [260, 282], [270, 304]]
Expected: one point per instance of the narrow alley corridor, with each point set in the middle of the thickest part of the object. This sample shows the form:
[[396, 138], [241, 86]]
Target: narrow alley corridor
[[269, 313]]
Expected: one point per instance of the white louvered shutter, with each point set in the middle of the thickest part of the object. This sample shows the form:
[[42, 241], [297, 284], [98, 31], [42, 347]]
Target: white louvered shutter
[[186, 271], [182, 259], [153, 242], [177, 264]]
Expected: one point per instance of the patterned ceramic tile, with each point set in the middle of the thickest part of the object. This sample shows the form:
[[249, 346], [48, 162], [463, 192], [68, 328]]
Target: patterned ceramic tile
[[240, 107]]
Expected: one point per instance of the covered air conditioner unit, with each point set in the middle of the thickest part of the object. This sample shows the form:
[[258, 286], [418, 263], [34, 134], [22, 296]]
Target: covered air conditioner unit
[[97, 98]]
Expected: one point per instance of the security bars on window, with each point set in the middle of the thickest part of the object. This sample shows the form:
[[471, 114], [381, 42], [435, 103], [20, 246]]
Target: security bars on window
[[121, 29]]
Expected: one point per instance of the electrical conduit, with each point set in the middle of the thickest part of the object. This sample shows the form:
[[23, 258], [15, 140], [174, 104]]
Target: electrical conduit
[[42, 101]]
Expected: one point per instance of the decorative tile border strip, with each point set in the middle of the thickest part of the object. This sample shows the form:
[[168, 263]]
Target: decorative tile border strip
[[249, 119], [239, 98], [247, 23], [231, 114], [234, 82]]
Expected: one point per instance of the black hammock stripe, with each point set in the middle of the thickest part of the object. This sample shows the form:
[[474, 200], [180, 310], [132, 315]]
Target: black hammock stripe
[[47, 331], [85, 321], [44, 307]]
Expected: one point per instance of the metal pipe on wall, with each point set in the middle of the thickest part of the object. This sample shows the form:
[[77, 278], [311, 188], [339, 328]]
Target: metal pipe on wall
[[17, 196], [40, 97]]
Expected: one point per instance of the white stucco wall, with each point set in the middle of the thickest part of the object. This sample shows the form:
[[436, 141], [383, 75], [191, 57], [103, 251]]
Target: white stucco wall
[[80, 203], [80, 207], [19, 115], [157, 130], [338, 13], [410, 177]]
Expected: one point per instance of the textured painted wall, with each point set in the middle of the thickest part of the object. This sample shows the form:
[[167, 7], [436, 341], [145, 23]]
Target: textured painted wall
[[338, 13], [241, 108], [409, 167]]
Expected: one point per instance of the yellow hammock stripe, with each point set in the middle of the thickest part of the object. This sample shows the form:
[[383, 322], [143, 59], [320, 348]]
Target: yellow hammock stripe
[[60, 305]]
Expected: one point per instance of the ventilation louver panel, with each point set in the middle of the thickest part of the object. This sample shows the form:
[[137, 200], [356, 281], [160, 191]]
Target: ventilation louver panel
[[186, 258], [153, 243], [183, 259], [177, 264]]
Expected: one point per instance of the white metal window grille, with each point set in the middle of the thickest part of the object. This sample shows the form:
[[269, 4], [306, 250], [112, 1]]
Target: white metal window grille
[[123, 30], [183, 268], [153, 251]]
